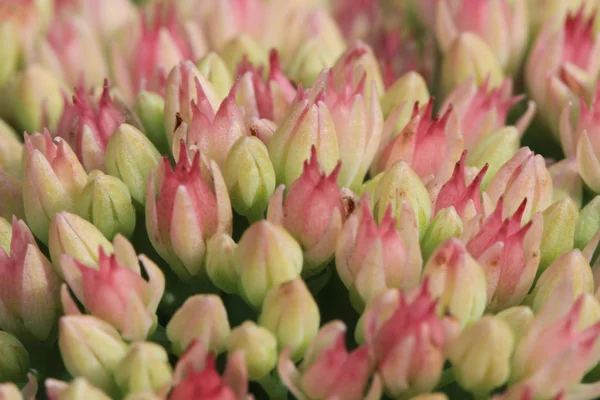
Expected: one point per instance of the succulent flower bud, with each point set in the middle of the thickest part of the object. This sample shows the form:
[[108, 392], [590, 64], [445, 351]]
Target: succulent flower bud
[[291, 313], [312, 58], [91, 348], [14, 359], [307, 124], [11, 150], [150, 108], [518, 319], [558, 238], [130, 156], [243, 47], [469, 57], [259, 347], [220, 263], [5, 234], [105, 201], [228, 19], [52, 181], [445, 225], [407, 90], [566, 181], [587, 223], [202, 318], [214, 69], [313, 212], [106, 18], [329, 370], [480, 355], [358, 59], [144, 369], [11, 192], [458, 281], [9, 47], [78, 389]]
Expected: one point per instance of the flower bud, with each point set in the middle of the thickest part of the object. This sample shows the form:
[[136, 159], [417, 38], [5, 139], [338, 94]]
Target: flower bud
[[202, 318], [105, 201], [566, 181], [307, 124], [36, 100], [409, 89], [523, 177], [78, 389], [130, 156], [558, 238], [14, 359], [74, 236], [9, 47], [214, 69], [572, 266], [445, 225], [310, 60], [11, 150], [494, 150], [150, 108], [243, 47], [225, 19], [518, 319], [291, 313], [219, 263], [52, 181], [11, 193], [587, 223], [259, 347], [359, 58], [469, 57], [398, 183], [458, 281], [5, 235], [145, 368], [480, 356], [91, 348]]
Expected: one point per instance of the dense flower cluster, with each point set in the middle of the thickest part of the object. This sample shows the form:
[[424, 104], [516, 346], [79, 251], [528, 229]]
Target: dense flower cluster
[[308, 199]]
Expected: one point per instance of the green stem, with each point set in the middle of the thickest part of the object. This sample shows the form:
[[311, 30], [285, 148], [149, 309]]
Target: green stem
[[446, 379], [274, 387]]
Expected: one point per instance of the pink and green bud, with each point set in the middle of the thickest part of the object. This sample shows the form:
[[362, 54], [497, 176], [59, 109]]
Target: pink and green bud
[[587, 223], [290, 312], [11, 151], [566, 181], [105, 201], [249, 177], [542, 11], [458, 281], [10, 49], [358, 59], [78, 389], [430, 146], [523, 177], [509, 254], [445, 225], [144, 369], [107, 18], [371, 258], [201, 318], [214, 69], [558, 238], [220, 263], [11, 192], [563, 65], [313, 213], [308, 124], [131, 157], [259, 347], [571, 267], [134, 300], [72, 52], [243, 48], [36, 100], [14, 359], [186, 86], [495, 150], [502, 24], [150, 109], [87, 125], [52, 181], [311, 59], [329, 370], [518, 319], [227, 19], [186, 206], [407, 90], [91, 348], [213, 134], [480, 355]]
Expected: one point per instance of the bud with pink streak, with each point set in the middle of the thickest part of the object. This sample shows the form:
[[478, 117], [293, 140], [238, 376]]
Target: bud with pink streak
[[230, 18], [358, 59], [185, 207]]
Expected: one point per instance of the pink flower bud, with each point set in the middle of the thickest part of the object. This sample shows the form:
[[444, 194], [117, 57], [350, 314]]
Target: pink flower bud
[[430, 146], [29, 288], [106, 17], [371, 258], [116, 293], [523, 177], [509, 254], [563, 65], [232, 17], [359, 59], [313, 212], [87, 125], [358, 19], [329, 370], [483, 110], [184, 210]]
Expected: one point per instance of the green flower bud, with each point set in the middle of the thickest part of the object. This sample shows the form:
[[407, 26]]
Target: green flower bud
[[150, 108], [213, 68], [145, 368], [250, 177], [219, 263], [518, 318], [9, 48], [130, 156], [14, 359], [78, 389], [406, 91], [312, 58], [105, 201], [291, 313], [243, 46], [480, 355], [558, 238], [11, 149], [566, 181], [91, 348], [588, 223], [5, 235], [259, 347], [11, 193], [201, 317], [445, 225]]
